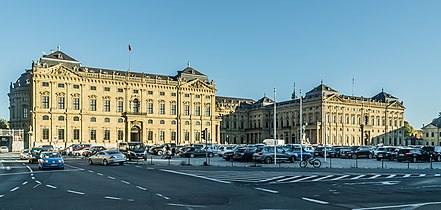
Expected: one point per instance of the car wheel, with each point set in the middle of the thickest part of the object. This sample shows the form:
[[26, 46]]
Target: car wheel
[[192, 155], [160, 152], [438, 159], [354, 156], [268, 160], [90, 162], [62, 168], [370, 156], [105, 162]]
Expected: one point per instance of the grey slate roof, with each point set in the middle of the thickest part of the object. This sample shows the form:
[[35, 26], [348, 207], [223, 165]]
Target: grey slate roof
[[384, 97], [59, 56], [190, 70]]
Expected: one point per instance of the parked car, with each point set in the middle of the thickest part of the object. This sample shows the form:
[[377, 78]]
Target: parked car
[[48, 147], [159, 149], [35, 154], [223, 149], [107, 157], [387, 153], [87, 152], [24, 154], [320, 152], [196, 152], [133, 150], [296, 152], [4, 149], [412, 155], [434, 152], [266, 155], [50, 160], [243, 154], [355, 152], [339, 150]]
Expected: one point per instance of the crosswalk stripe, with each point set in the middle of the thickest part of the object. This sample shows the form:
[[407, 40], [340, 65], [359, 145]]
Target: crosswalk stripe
[[421, 175], [375, 176], [288, 178], [321, 178], [358, 177], [340, 177], [273, 178], [407, 175], [304, 178], [437, 174], [391, 176]]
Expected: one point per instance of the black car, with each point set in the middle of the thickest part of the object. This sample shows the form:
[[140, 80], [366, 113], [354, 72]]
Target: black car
[[434, 152], [386, 154], [244, 154], [355, 152], [339, 150], [412, 155], [196, 152], [320, 152]]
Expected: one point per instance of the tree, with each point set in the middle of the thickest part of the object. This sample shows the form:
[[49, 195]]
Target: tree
[[408, 130], [4, 124]]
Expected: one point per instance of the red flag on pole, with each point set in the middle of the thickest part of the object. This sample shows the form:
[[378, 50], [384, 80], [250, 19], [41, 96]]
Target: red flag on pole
[[130, 49]]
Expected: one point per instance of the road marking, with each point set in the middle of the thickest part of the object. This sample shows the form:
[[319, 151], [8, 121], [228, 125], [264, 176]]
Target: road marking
[[125, 182], [321, 178], [90, 171], [76, 192], [112, 198], [421, 175], [1, 196], [141, 188], [340, 177], [150, 168], [24, 183], [374, 176], [111, 177], [271, 179], [33, 178], [407, 175], [315, 201], [304, 178], [266, 190], [357, 177], [391, 176], [99, 174], [50, 186], [138, 166], [166, 198], [81, 169], [32, 174], [130, 200], [36, 186], [197, 176], [38, 182], [1, 165], [30, 169], [400, 206], [14, 189], [288, 178], [22, 173], [437, 174], [183, 205]]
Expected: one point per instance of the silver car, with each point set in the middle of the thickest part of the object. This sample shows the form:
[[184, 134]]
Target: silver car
[[25, 154], [107, 157]]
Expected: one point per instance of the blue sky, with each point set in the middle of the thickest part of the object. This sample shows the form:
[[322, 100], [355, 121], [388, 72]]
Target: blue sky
[[247, 47]]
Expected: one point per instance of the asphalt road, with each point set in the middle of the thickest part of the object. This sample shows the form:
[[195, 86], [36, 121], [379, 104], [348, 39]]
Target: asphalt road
[[132, 186]]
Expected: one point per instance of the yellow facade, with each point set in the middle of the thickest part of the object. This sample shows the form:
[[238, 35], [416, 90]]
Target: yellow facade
[[69, 103]]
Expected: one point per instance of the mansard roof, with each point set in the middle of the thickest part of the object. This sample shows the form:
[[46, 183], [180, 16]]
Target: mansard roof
[[384, 97], [58, 55], [190, 70], [320, 91]]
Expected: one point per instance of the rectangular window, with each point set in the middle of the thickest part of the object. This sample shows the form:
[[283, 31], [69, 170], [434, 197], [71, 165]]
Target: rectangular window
[[76, 103], [92, 104], [161, 135], [45, 102], [207, 97], [186, 109], [60, 134], [120, 135], [150, 92], [173, 135], [187, 95], [107, 105], [207, 111], [135, 91], [45, 84], [76, 86], [120, 107], [60, 102], [107, 89], [25, 112], [76, 134], [92, 87], [60, 85], [173, 109], [150, 135], [150, 108], [106, 134], [197, 110], [162, 93], [46, 133], [173, 94], [198, 96], [161, 108], [187, 136], [92, 134], [120, 90]]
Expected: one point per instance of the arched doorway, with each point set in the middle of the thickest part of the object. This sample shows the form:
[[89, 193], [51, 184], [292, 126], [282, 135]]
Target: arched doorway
[[135, 134]]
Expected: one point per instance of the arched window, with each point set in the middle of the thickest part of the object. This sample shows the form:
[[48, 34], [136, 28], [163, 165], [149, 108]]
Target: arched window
[[120, 120], [173, 122], [61, 118], [150, 121], [162, 122], [135, 106], [45, 117], [92, 119], [198, 123], [187, 122], [76, 118], [106, 119]]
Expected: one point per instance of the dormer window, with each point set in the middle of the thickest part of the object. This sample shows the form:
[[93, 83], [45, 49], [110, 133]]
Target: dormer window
[[60, 56]]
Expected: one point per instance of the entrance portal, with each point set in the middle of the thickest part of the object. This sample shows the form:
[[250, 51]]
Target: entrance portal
[[135, 134]]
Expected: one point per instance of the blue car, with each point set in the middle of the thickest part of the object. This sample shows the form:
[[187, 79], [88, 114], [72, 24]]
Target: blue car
[[50, 160]]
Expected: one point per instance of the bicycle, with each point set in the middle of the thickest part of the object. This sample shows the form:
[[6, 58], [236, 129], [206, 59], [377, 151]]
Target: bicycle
[[312, 161]]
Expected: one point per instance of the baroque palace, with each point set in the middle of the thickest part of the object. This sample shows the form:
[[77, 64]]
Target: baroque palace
[[61, 102], [328, 117]]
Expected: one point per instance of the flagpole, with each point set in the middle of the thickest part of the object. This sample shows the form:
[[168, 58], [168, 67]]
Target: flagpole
[[301, 127], [275, 141]]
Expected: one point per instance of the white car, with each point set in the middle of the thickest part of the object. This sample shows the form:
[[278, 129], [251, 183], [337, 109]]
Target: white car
[[224, 149], [4, 149]]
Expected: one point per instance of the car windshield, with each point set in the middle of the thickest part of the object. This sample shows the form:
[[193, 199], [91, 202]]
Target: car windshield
[[112, 152], [52, 155], [136, 146]]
